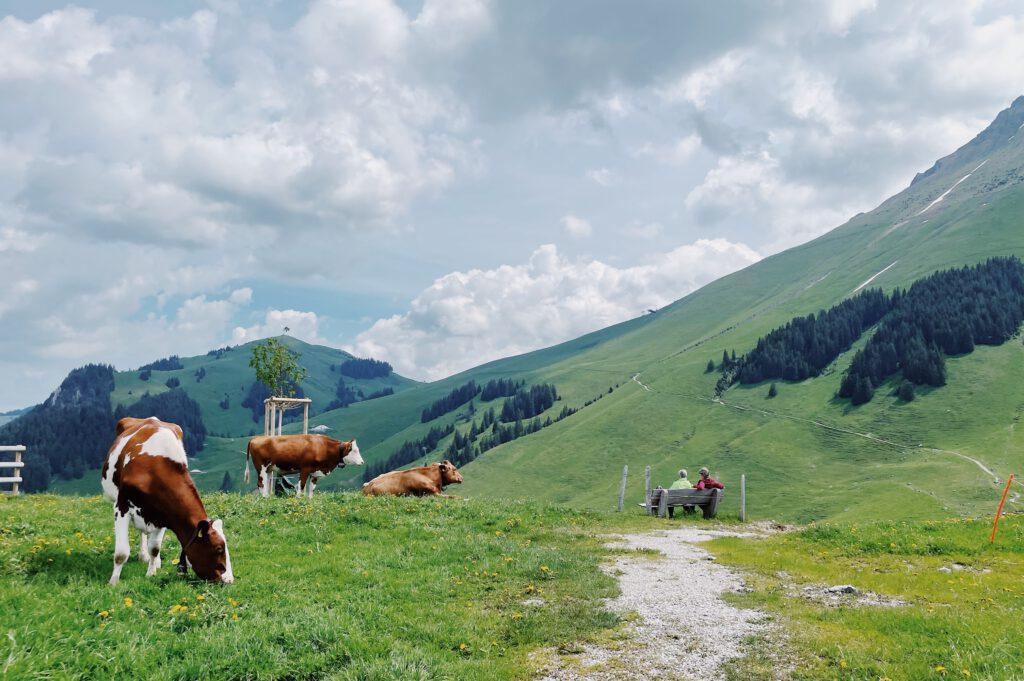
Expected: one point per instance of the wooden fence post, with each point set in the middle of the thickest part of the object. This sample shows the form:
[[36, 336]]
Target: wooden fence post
[[743, 498], [647, 488], [13, 478], [622, 487]]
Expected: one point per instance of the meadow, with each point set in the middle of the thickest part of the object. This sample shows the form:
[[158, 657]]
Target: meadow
[[962, 599], [336, 587], [343, 587]]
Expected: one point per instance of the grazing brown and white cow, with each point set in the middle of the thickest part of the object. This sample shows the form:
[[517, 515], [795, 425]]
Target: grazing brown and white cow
[[146, 476], [311, 456], [417, 482]]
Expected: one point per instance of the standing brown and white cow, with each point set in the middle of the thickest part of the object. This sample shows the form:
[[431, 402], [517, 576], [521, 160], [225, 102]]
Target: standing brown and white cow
[[418, 482], [311, 456], [146, 476]]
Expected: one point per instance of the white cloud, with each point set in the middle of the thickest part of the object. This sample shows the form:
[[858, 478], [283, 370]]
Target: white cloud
[[576, 226], [601, 176], [448, 25], [198, 324], [302, 325], [756, 187], [210, 129], [466, 318], [241, 296]]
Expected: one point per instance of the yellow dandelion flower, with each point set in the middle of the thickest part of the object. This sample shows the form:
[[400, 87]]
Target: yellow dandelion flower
[[462, 646], [234, 617], [200, 597], [128, 602], [175, 561], [966, 672], [940, 669], [104, 614], [233, 602], [545, 568], [842, 664]]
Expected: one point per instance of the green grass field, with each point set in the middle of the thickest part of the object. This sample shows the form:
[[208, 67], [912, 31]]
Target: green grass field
[[344, 587], [334, 587], [964, 612]]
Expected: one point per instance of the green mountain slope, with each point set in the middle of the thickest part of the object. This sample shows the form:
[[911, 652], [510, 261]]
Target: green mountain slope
[[815, 457], [226, 373]]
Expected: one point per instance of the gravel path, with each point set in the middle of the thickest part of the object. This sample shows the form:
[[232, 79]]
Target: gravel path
[[684, 628]]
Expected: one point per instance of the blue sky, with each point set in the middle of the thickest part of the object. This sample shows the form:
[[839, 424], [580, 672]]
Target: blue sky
[[443, 183]]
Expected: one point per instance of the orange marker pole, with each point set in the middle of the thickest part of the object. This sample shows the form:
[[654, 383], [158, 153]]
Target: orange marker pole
[[999, 511]]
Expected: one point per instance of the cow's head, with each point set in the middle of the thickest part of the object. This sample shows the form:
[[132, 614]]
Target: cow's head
[[449, 474], [350, 455], [207, 552]]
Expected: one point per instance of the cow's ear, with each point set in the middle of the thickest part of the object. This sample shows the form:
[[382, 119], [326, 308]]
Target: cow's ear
[[203, 529], [442, 466]]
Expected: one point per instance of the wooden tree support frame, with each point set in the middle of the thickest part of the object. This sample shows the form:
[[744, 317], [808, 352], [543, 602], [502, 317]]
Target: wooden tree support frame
[[13, 479], [274, 409], [273, 417]]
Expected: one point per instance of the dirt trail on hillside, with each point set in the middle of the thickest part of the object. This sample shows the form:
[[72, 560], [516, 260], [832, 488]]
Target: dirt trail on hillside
[[683, 629]]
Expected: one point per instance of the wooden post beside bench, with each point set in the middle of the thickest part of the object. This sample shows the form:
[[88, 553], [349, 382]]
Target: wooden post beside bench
[[665, 499]]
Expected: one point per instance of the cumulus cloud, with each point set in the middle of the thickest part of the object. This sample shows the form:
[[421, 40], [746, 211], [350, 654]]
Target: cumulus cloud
[[137, 130], [816, 125], [466, 318], [576, 226], [196, 325], [302, 325]]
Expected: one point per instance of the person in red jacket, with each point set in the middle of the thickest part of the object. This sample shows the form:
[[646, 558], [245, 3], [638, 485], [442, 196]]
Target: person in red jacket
[[707, 482]]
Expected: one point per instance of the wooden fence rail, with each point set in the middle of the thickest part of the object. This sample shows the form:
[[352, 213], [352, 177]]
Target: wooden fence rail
[[13, 479]]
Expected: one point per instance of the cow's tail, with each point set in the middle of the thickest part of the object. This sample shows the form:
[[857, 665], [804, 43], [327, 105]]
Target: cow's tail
[[245, 464]]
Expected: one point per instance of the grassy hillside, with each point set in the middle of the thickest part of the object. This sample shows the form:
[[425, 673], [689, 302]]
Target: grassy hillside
[[811, 457], [228, 374]]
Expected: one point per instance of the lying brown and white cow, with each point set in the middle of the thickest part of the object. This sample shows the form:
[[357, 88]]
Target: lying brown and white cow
[[417, 482], [146, 476], [311, 456]]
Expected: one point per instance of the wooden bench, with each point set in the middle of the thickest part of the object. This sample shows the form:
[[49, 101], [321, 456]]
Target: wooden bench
[[665, 501]]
